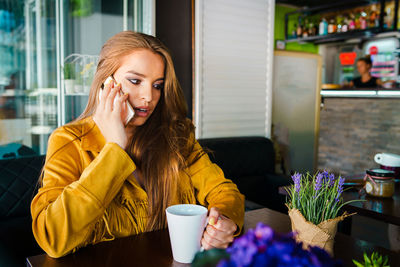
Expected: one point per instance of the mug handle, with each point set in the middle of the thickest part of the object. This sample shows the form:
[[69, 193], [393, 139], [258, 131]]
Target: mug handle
[[207, 219], [378, 158], [205, 225]]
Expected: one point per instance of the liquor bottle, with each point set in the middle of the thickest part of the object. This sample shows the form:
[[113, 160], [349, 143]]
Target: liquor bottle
[[331, 26], [299, 30], [294, 33], [315, 29], [387, 20], [345, 26], [377, 20], [373, 17], [323, 27], [311, 29], [357, 20], [339, 24], [305, 29], [352, 24], [363, 20]]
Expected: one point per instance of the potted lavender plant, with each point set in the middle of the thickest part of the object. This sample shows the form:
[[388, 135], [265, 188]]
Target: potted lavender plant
[[314, 203]]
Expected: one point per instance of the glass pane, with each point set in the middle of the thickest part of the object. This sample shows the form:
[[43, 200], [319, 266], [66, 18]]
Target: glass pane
[[87, 25], [139, 15], [39, 62], [28, 80]]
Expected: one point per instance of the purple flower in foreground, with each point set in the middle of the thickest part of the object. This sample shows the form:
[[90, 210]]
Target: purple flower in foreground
[[297, 180], [263, 247], [243, 249], [263, 233]]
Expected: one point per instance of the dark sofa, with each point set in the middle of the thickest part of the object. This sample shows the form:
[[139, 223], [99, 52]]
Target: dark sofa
[[18, 180], [250, 163]]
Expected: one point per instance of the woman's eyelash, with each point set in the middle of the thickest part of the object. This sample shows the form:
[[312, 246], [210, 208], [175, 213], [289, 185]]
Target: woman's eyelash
[[135, 81], [159, 86]]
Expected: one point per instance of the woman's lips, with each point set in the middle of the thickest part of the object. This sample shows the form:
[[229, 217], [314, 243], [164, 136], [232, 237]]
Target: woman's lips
[[142, 111]]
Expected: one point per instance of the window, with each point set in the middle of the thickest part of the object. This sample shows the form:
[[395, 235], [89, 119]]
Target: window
[[48, 56]]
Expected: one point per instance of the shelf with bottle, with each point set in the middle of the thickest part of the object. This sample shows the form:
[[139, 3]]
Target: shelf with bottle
[[319, 39], [340, 21]]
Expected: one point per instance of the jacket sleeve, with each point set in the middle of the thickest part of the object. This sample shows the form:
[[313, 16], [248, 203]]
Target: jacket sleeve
[[214, 190], [72, 200]]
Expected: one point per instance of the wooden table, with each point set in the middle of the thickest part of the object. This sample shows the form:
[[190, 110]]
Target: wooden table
[[153, 248]]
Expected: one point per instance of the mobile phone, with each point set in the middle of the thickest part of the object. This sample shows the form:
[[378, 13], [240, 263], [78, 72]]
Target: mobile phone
[[129, 111]]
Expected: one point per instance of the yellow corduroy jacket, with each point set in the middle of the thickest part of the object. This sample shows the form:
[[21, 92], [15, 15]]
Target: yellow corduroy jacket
[[89, 193]]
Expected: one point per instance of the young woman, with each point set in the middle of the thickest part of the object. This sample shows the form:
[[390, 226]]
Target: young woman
[[104, 180], [364, 65]]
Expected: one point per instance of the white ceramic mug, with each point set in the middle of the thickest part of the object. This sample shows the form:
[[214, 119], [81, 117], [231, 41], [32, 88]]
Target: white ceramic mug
[[186, 223], [387, 159]]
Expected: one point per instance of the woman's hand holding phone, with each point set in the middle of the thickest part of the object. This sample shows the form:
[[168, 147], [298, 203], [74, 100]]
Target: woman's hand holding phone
[[127, 111], [108, 114]]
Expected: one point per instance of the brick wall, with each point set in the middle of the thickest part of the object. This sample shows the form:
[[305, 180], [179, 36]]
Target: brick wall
[[353, 130]]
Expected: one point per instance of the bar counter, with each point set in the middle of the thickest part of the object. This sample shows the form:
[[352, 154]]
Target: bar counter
[[361, 93]]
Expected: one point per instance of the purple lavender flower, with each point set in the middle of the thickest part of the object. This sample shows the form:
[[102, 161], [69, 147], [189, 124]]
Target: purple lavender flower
[[318, 183], [340, 188], [297, 180], [329, 178], [332, 179], [325, 173]]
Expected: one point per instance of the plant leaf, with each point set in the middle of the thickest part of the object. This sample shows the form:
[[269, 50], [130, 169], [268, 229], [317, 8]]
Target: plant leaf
[[366, 259], [356, 263]]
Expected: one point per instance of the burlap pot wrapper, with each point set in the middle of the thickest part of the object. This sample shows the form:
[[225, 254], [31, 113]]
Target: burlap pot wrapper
[[321, 235]]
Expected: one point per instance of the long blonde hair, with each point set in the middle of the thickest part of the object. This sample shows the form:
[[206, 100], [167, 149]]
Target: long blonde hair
[[160, 148]]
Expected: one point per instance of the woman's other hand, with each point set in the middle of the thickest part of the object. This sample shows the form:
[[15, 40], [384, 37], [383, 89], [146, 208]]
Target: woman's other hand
[[108, 115], [219, 231]]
